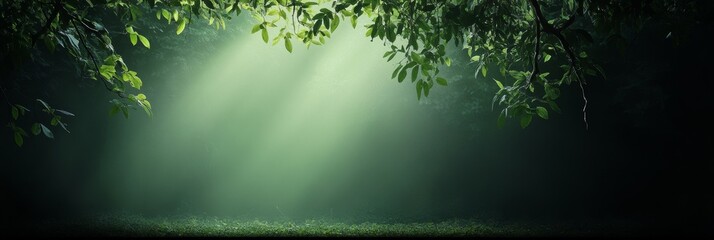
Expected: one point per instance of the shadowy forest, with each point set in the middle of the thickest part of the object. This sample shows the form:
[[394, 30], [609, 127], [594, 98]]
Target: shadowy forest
[[587, 115]]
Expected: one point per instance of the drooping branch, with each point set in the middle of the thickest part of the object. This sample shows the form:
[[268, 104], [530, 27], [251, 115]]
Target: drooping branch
[[46, 27], [549, 28], [83, 40], [536, 53], [557, 32]]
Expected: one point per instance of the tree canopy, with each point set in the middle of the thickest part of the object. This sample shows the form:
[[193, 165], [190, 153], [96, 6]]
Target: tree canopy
[[531, 48]]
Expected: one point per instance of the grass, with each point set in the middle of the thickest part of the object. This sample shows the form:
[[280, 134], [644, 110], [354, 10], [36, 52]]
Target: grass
[[132, 225]]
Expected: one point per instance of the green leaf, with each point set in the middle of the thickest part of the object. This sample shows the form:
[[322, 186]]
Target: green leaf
[[44, 104], [335, 23], [145, 105], [447, 61], [415, 73], [264, 33], [402, 74], [484, 70], [288, 45], [546, 57], [441, 81], [133, 38], [410, 65], [181, 26], [134, 81], [391, 35], [23, 109], [256, 28], [166, 14], [526, 120], [416, 57], [419, 87], [107, 71], [65, 112], [391, 56], [551, 91], [18, 139], [74, 42], [396, 71], [114, 110], [64, 126], [55, 120], [144, 41], [542, 112], [46, 131], [15, 112], [500, 85], [111, 59], [554, 106], [476, 58], [501, 119], [36, 129], [316, 27]]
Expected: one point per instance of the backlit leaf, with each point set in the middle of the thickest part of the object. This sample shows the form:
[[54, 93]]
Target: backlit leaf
[[542, 112], [181, 26], [288, 45], [500, 85], [133, 38], [144, 41], [265, 36], [46, 131], [36, 129], [441, 81]]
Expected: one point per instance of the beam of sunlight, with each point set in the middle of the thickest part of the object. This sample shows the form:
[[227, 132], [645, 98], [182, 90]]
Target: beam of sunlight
[[262, 130]]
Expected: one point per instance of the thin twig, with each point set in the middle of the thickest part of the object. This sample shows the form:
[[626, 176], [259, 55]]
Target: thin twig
[[585, 105]]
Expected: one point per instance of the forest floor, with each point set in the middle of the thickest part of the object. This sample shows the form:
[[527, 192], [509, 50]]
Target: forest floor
[[141, 226]]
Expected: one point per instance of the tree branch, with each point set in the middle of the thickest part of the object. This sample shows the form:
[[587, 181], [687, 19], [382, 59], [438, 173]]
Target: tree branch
[[536, 53], [48, 23], [83, 40], [571, 19], [557, 32], [548, 28]]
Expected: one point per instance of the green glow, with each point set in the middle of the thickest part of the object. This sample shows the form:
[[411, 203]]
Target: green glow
[[261, 131]]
